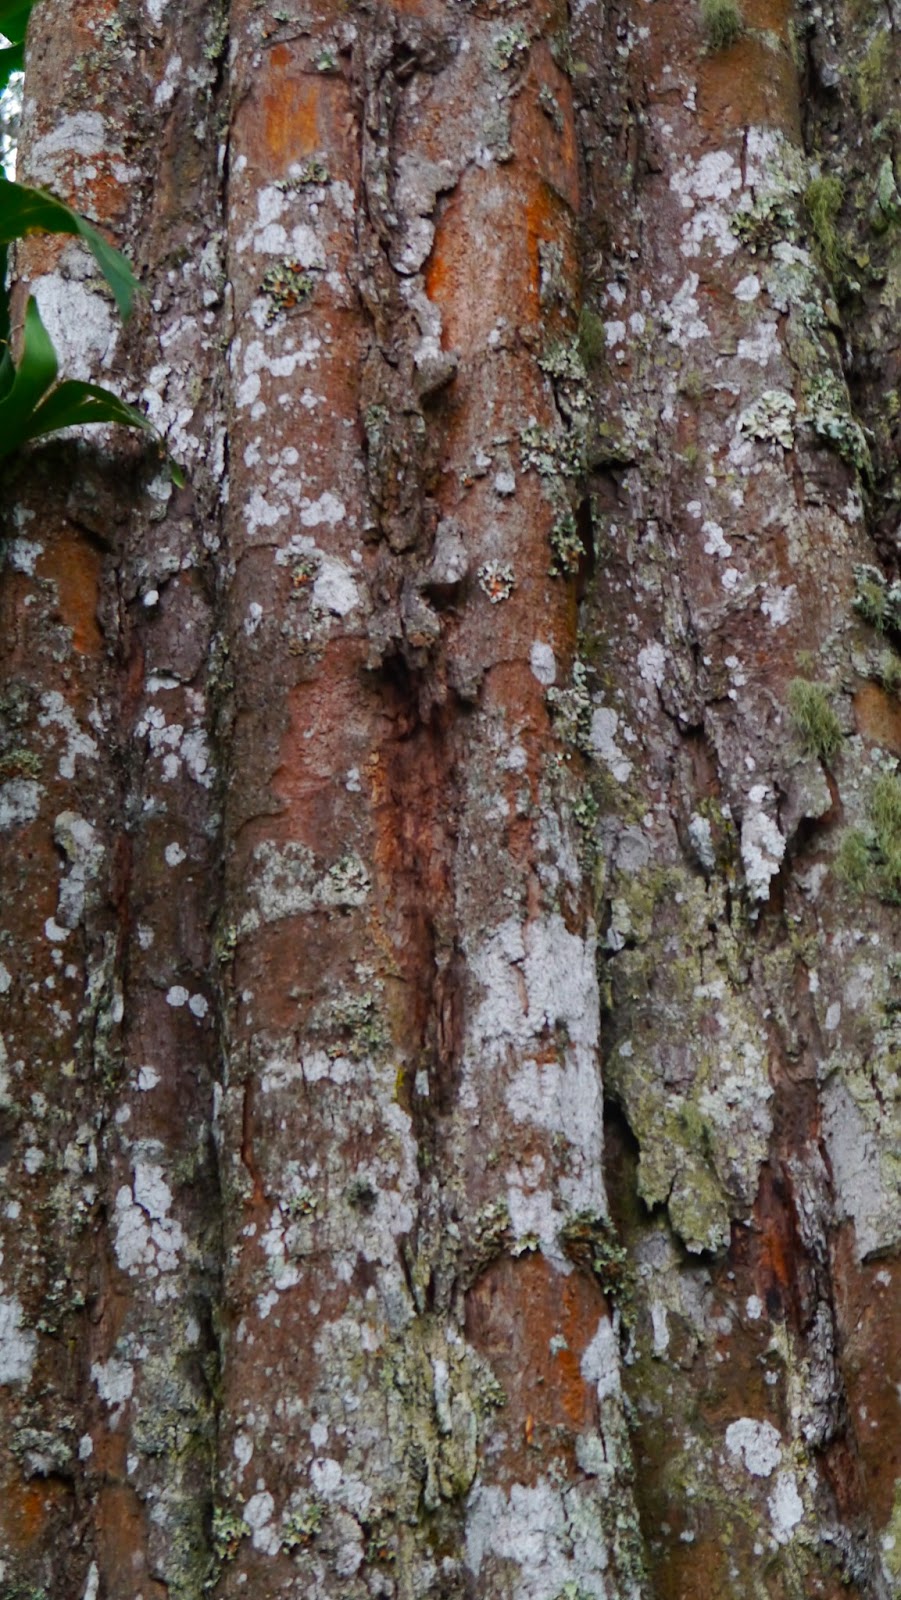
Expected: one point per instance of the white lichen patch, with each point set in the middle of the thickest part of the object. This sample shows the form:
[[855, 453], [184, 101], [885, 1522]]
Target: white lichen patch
[[114, 1380], [335, 590], [81, 323], [779, 606], [543, 663], [291, 882], [84, 853], [259, 1512], [855, 1155], [785, 1506], [55, 712], [147, 1239], [551, 1541], [18, 1344], [605, 724], [681, 316], [539, 981], [177, 744], [600, 1363], [20, 802], [762, 346], [706, 189], [762, 847], [769, 419], [756, 1446], [81, 134]]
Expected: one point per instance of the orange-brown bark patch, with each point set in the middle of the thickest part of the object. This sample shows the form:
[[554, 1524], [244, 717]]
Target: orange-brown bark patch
[[748, 83], [121, 1544], [75, 567], [553, 154], [294, 113], [514, 1311], [26, 1510], [489, 233], [878, 717]]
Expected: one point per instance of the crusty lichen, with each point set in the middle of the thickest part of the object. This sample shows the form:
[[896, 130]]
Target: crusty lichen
[[689, 1063]]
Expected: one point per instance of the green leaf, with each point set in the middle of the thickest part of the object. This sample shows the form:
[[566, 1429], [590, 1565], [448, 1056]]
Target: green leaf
[[34, 375], [12, 59], [33, 404], [14, 16], [73, 402], [25, 210]]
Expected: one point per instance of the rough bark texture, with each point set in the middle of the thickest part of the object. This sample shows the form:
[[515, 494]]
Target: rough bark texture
[[451, 851]]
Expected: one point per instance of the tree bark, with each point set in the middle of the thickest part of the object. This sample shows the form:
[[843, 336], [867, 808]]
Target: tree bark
[[452, 849]]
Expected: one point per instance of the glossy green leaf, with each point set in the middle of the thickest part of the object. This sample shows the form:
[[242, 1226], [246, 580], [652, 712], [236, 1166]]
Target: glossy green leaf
[[33, 404], [73, 402], [12, 59], [14, 16], [25, 210], [34, 375]]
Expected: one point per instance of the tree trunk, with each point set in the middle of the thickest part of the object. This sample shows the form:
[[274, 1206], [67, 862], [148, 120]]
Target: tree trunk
[[452, 849]]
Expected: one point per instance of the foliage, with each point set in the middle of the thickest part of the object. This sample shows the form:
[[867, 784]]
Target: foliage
[[815, 721], [723, 22], [24, 210], [32, 403]]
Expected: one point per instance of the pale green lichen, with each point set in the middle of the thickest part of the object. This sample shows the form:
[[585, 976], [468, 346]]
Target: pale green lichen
[[770, 418], [288, 286], [592, 338], [312, 171], [552, 454], [550, 105], [509, 47], [496, 580], [563, 359], [572, 708], [435, 1393], [590, 1241], [300, 1528], [228, 1531], [768, 213], [828, 410], [891, 1537], [872, 75], [886, 207], [358, 1024], [567, 548]]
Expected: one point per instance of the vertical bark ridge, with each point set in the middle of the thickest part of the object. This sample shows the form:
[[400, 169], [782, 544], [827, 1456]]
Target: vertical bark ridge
[[413, 953], [111, 1423], [724, 604]]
